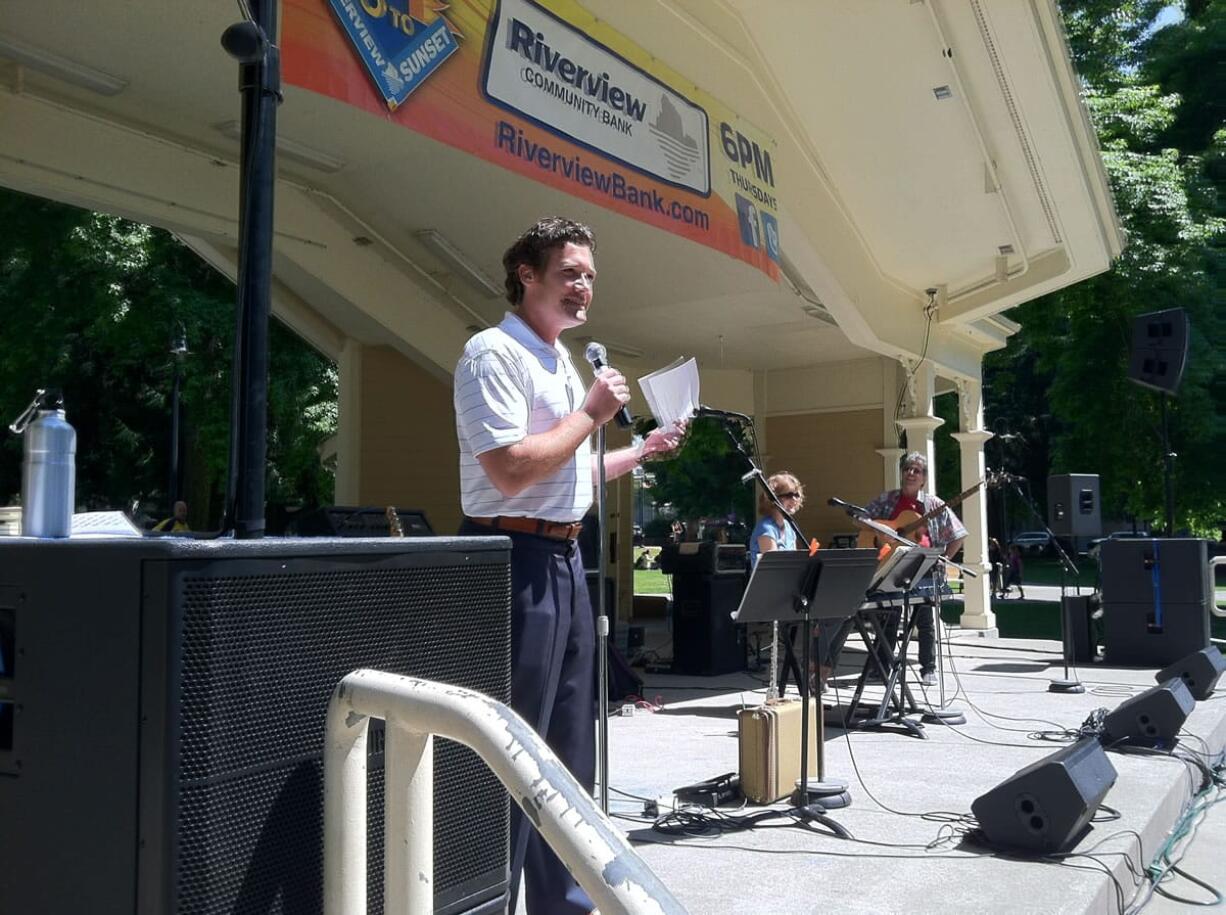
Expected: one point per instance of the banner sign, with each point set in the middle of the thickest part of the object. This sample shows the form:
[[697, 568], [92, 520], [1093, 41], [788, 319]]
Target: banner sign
[[399, 51], [545, 90], [552, 73]]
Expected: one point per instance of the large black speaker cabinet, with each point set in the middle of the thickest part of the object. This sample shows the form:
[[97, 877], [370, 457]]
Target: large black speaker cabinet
[[165, 755], [1153, 718], [1159, 349], [1046, 806], [1157, 599], [1199, 671], [706, 641]]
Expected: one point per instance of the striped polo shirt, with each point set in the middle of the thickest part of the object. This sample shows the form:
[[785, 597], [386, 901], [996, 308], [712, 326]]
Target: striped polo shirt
[[509, 384]]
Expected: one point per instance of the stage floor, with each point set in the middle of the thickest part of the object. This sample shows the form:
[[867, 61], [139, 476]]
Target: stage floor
[[906, 856]]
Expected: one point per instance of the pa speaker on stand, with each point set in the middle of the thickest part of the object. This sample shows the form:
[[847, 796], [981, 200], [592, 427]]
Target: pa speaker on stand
[[1159, 355]]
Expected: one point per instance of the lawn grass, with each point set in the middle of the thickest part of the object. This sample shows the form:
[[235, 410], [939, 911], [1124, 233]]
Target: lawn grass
[[1045, 570], [652, 581], [1032, 619]]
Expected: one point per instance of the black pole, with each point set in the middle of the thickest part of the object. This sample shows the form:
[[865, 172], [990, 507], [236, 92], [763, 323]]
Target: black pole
[[1168, 459], [173, 489], [260, 84]]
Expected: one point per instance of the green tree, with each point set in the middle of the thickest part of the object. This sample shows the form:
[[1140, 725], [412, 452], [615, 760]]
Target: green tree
[[703, 479], [1063, 382], [89, 304]]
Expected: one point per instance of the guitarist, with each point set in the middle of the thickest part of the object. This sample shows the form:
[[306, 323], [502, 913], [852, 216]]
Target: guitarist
[[943, 529]]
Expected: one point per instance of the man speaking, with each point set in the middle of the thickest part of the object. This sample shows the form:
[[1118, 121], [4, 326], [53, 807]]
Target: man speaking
[[524, 423]]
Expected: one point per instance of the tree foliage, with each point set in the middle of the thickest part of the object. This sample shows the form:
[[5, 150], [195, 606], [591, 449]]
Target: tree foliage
[[89, 304], [703, 479], [1063, 380]]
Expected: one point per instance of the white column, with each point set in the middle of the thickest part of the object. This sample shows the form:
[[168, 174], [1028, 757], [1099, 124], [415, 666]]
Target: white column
[[349, 424], [977, 607], [891, 477], [920, 422]]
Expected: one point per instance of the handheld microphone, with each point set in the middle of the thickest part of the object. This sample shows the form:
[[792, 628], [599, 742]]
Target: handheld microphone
[[596, 355]]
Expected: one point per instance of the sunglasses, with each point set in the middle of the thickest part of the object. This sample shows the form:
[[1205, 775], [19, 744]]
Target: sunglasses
[[913, 469], [787, 495]]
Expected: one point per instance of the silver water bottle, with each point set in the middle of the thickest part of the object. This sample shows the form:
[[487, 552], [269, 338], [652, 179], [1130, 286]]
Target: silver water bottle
[[49, 470]]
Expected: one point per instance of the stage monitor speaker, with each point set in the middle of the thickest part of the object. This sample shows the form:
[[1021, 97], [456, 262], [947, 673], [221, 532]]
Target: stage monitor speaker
[[1073, 509], [1159, 349], [1199, 671], [369, 521], [1046, 806], [706, 641], [166, 755], [1152, 719]]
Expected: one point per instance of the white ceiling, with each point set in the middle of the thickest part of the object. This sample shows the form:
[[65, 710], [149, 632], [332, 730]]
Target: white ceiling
[[887, 186]]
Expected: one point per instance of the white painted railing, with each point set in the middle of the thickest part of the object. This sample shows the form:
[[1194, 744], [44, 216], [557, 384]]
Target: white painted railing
[[589, 844], [1216, 561]]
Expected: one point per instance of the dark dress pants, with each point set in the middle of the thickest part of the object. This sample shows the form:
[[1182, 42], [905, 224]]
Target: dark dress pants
[[553, 688]]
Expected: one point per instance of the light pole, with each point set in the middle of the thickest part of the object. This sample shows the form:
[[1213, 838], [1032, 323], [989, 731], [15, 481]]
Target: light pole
[[178, 349]]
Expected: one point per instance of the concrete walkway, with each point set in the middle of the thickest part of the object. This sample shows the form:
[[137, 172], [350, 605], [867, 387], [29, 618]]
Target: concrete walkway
[[908, 853]]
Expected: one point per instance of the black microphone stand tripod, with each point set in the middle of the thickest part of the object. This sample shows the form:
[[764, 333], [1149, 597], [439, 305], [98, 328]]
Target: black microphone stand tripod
[[1067, 684]]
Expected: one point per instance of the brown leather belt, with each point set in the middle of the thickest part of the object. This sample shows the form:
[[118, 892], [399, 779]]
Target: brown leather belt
[[554, 530]]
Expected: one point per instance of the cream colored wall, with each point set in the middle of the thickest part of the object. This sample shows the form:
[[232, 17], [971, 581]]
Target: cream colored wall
[[851, 385], [832, 454], [409, 452]]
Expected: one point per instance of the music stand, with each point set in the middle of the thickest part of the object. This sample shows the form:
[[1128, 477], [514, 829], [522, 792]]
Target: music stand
[[895, 581], [790, 586]]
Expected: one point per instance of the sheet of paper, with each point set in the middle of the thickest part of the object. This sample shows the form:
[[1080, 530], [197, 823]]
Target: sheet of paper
[[672, 392]]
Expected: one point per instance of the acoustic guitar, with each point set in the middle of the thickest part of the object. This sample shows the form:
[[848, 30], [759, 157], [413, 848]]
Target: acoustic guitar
[[908, 522]]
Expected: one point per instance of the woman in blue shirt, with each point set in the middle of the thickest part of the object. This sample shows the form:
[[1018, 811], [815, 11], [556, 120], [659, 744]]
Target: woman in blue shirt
[[773, 532]]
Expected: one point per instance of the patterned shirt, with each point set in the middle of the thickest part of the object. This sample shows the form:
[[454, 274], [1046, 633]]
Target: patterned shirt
[[509, 384], [943, 528]]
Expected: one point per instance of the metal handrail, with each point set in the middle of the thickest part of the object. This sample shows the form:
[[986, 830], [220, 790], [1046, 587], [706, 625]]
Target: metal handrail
[[415, 710], [1218, 609]]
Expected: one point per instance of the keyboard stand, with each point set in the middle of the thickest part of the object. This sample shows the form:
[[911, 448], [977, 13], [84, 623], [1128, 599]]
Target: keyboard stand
[[888, 659]]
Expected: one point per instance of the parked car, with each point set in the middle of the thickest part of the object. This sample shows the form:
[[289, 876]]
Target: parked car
[[1033, 542], [1095, 545]]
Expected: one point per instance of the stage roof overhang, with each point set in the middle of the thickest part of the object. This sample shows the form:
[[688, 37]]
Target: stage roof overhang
[[917, 145]]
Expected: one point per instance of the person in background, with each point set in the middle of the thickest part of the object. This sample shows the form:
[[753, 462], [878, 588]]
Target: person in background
[[176, 523], [1015, 572], [996, 560]]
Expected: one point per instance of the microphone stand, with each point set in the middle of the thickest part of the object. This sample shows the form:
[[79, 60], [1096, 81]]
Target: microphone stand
[[602, 632], [827, 793], [1066, 685]]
